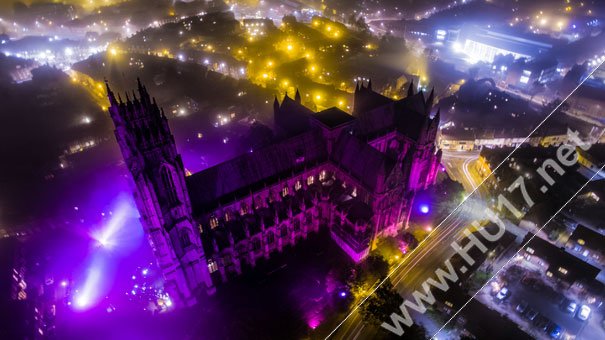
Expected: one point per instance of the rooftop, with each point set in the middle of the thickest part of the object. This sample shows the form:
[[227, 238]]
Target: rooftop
[[333, 117], [588, 238], [562, 265]]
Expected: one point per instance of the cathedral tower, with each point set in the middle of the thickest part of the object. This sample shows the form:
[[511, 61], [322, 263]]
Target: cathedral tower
[[149, 150]]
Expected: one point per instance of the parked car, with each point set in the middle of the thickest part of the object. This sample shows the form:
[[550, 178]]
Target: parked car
[[584, 313], [502, 294], [571, 307], [531, 314], [521, 307], [555, 331], [542, 322]]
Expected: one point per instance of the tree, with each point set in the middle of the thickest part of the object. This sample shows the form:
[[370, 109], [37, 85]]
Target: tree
[[503, 60], [409, 241], [358, 22], [365, 275], [380, 305], [376, 266], [378, 309]]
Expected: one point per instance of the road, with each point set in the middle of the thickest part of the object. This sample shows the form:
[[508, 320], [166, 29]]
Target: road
[[416, 267], [461, 167]]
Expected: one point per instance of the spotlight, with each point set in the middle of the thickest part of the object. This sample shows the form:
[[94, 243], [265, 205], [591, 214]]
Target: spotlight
[[424, 208]]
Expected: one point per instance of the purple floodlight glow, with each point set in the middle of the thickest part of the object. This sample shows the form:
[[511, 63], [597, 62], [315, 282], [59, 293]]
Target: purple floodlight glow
[[88, 294], [314, 318], [112, 243], [108, 234], [343, 294]]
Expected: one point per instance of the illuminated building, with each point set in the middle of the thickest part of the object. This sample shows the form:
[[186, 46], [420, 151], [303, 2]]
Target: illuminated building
[[20, 316], [471, 140], [486, 45], [587, 243], [560, 265], [355, 175], [525, 75], [257, 27], [161, 195]]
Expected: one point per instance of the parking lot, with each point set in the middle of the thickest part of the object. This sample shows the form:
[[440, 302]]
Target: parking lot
[[542, 307]]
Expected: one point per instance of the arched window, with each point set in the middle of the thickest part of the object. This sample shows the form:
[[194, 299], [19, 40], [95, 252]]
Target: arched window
[[185, 240], [212, 266], [213, 222], [284, 191], [168, 184], [310, 180], [297, 185], [243, 209], [322, 175]]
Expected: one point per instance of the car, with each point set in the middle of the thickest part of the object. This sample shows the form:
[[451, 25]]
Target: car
[[555, 331], [502, 294], [571, 307], [531, 314], [584, 313], [542, 322], [521, 307]]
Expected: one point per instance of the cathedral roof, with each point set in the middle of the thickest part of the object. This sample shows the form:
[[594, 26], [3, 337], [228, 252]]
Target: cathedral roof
[[292, 117], [367, 100], [406, 116], [362, 161], [293, 106], [333, 117], [243, 174]]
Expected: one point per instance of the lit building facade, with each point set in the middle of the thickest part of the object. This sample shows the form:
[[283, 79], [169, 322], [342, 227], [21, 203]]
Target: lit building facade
[[485, 45], [354, 174]]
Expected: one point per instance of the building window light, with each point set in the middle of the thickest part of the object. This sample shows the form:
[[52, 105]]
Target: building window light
[[322, 175], [213, 222], [310, 180], [212, 266], [562, 270]]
